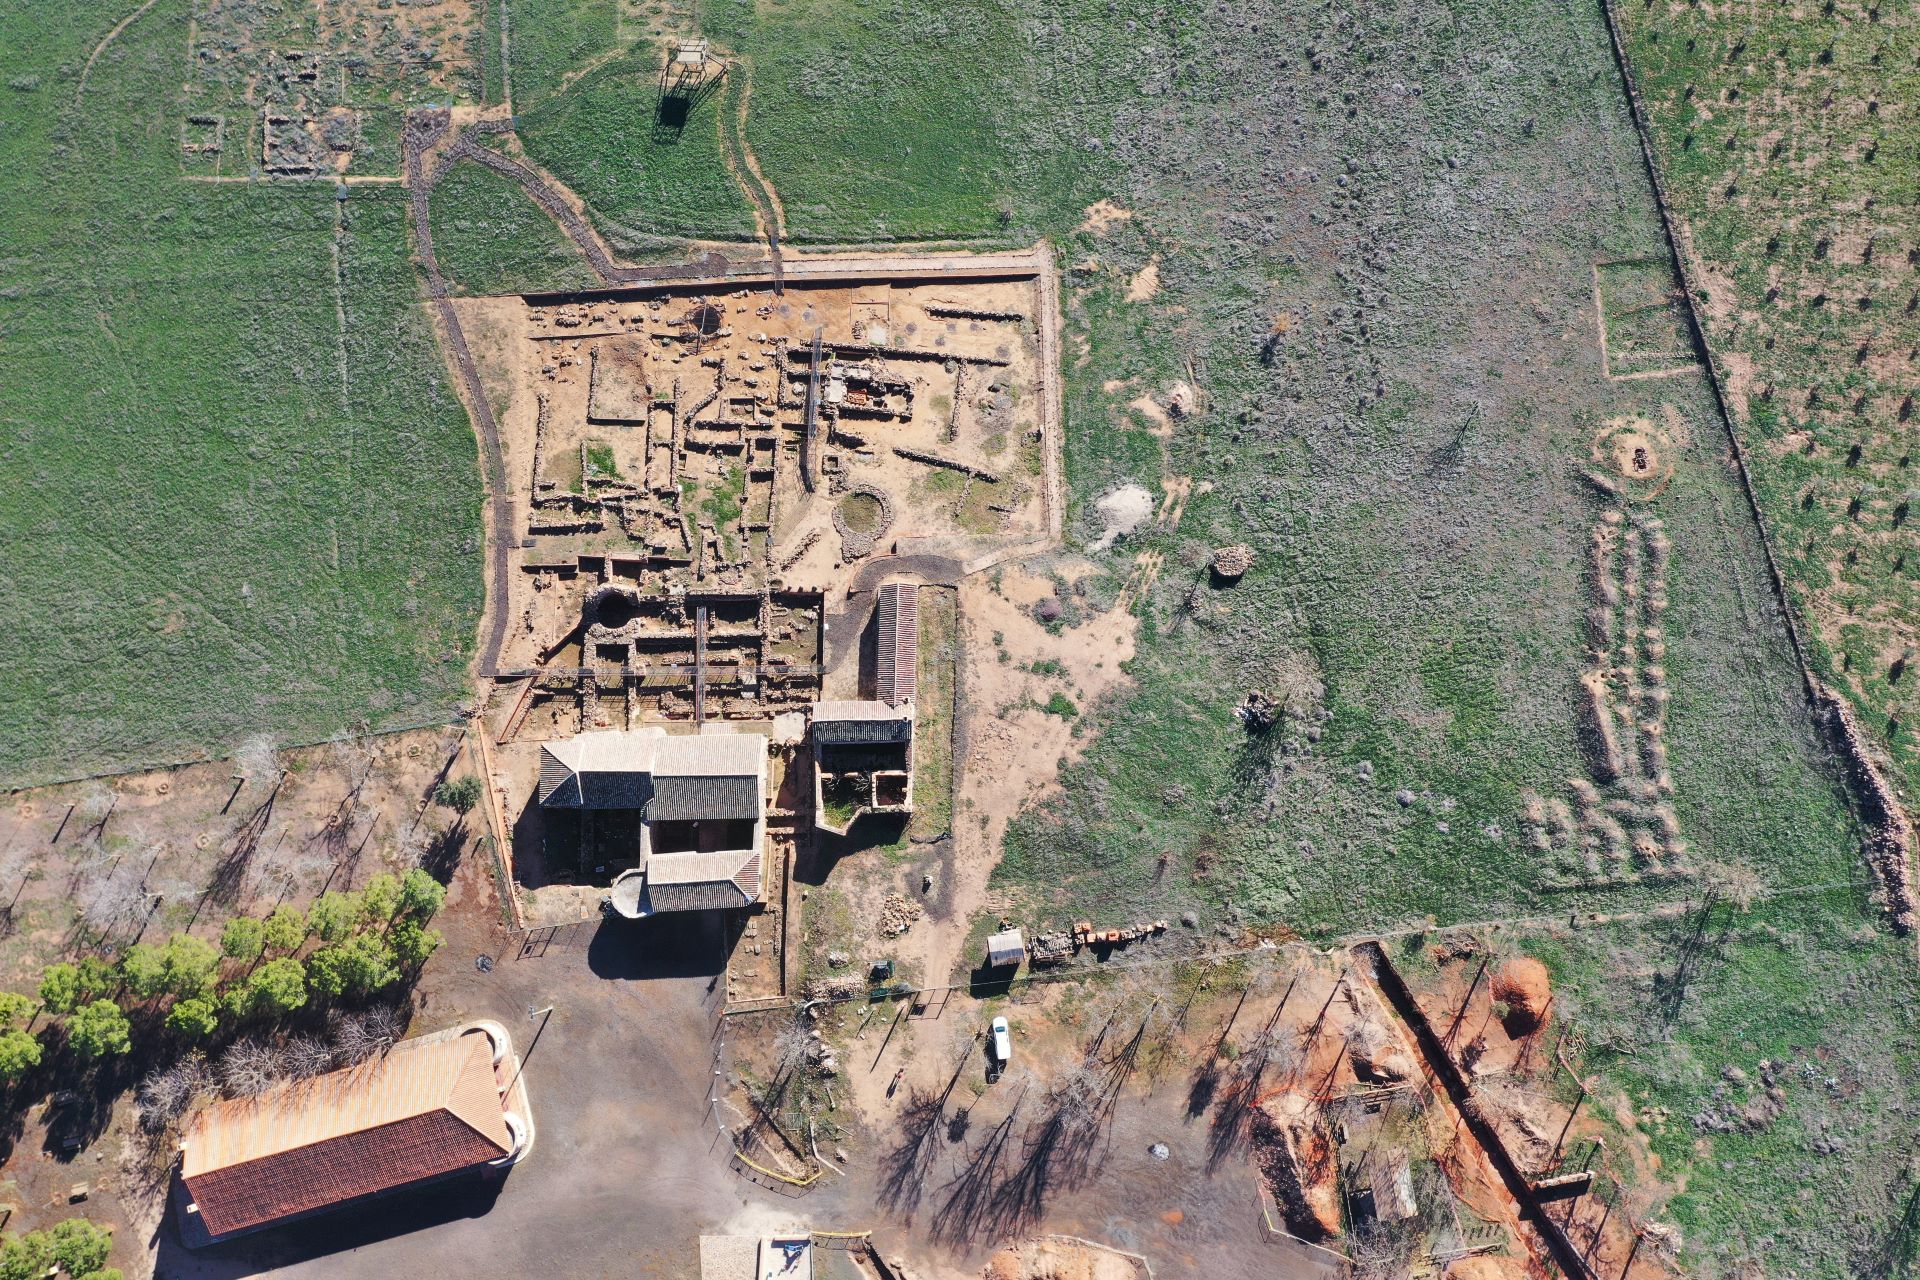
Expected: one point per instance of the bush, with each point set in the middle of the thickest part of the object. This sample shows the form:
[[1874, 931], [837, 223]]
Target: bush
[[99, 1030], [1061, 705]]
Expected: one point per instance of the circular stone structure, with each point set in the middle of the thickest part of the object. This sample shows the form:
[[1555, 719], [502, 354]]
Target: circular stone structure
[[1230, 564], [613, 607], [860, 518], [1636, 455]]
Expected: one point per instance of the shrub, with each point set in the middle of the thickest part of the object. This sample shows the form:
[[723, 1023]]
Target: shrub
[[1061, 705]]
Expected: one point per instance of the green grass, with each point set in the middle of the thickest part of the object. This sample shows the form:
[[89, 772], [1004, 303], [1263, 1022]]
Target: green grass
[[491, 238], [600, 459], [599, 138], [1798, 981], [933, 704], [1795, 174], [549, 40], [232, 511], [880, 119]]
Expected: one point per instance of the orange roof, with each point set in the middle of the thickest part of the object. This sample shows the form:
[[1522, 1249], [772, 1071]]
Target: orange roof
[[421, 1110]]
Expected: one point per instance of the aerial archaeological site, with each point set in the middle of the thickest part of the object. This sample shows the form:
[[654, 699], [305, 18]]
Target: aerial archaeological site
[[909, 640]]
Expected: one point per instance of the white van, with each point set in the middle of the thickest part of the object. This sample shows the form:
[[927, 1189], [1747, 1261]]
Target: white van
[[1002, 1041]]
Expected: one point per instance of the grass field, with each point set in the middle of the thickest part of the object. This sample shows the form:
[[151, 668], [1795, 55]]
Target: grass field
[[1387, 243], [1791, 152], [642, 184], [490, 237], [1799, 983], [245, 497]]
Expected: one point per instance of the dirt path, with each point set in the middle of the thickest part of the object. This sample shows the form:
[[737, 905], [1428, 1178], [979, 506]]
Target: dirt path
[[548, 198], [423, 129], [768, 214], [80, 90]]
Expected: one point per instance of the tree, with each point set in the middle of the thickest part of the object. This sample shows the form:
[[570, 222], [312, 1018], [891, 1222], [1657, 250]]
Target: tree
[[27, 1257], [333, 916], [192, 964], [194, 1018], [99, 1030], [144, 969], [65, 987], [459, 794], [258, 759], [380, 900], [276, 987], [358, 965], [183, 966], [80, 1247], [285, 929], [357, 1037], [413, 943], [421, 896], [250, 1067], [166, 1092], [19, 1054], [16, 1009], [306, 1056], [244, 939]]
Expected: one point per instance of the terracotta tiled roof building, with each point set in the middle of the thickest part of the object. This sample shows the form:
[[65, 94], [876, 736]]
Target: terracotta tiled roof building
[[422, 1111], [897, 657]]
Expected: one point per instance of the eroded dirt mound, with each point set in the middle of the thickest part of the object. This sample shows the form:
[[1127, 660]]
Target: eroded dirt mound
[[1056, 1258], [1376, 1055], [1123, 511], [1487, 1266], [1296, 1157], [1522, 986]]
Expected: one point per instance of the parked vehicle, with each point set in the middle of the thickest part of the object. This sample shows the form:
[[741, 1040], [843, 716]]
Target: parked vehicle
[[1002, 1041]]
